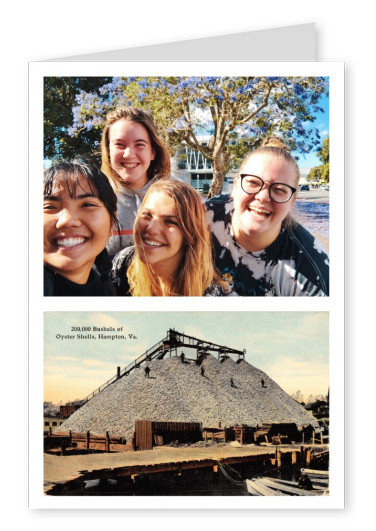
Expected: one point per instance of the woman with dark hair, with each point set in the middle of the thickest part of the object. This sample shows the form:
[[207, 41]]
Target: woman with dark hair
[[172, 255], [79, 214], [260, 249], [134, 157]]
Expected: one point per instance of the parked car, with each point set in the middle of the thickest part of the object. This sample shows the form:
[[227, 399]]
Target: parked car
[[304, 188]]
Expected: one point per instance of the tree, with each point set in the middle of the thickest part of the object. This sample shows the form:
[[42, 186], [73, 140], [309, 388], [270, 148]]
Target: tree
[[321, 173], [235, 111], [59, 98], [50, 409], [315, 174]]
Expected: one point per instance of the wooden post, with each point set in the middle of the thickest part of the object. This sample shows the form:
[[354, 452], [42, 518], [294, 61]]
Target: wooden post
[[279, 454], [308, 456], [88, 439], [293, 458], [107, 442], [321, 438]]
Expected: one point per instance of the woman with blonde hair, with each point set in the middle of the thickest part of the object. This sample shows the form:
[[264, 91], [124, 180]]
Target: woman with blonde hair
[[134, 156], [172, 255], [260, 249]]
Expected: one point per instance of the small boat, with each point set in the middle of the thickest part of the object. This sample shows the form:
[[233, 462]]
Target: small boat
[[318, 483]]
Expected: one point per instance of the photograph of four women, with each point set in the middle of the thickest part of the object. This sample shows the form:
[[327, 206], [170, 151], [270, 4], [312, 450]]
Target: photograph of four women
[[131, 228]]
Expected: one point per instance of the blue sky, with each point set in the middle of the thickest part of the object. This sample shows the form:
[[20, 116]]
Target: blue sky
[[291, 347], [322, 123]]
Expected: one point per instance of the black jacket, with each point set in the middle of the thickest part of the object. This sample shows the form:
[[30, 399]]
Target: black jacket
[[59, 286]]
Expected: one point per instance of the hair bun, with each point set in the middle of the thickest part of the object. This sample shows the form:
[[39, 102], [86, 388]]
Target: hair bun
[[273, 141]]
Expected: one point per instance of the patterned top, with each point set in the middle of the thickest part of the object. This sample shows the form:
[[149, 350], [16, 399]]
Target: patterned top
[[295, 264]]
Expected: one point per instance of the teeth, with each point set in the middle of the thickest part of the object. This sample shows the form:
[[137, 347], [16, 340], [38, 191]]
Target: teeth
[[70, 242], [260, 211], [153, 244], [130, 165]]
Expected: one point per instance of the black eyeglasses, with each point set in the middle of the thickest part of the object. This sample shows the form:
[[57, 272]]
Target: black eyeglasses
[[278, 192]]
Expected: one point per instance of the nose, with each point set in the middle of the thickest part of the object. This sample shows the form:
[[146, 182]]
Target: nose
[[263, 194], [153, 227], [67, 218], [127, 152]]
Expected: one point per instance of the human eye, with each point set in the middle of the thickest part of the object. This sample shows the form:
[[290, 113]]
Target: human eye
[[49, 206], [118, 145], [281, 189], [170, 221], [89, 204], [252, 182]]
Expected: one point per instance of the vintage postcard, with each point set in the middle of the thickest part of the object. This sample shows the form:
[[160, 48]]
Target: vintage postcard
[[186, 299]]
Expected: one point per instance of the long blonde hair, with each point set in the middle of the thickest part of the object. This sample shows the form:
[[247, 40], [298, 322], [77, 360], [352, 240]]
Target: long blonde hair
[[159, 168], [196, 272]]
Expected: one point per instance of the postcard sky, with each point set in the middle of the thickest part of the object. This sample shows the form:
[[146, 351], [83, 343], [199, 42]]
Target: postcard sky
[[291, 347]]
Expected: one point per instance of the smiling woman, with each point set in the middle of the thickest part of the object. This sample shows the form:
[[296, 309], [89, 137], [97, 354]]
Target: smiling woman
[[259, 249], [79, 213], [172, 253], [134, 157]]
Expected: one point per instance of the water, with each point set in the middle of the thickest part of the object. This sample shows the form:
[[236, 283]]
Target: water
[[229, 480]]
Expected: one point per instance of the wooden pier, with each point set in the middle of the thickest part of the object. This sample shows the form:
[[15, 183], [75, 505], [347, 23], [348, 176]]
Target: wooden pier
[[59, 470]]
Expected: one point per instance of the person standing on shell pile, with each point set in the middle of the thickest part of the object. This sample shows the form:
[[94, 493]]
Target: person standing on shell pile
[[260, 250]]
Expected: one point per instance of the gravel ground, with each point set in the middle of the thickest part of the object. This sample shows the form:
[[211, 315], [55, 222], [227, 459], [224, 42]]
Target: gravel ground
[[177, 392], [311, 209]]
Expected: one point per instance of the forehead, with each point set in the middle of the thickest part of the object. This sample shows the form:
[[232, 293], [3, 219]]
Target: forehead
[[72, 185], [126, 129], [270, 168], [160, 202]]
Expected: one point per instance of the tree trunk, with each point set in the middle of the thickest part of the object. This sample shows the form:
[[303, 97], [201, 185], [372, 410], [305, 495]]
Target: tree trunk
[[220, 167]]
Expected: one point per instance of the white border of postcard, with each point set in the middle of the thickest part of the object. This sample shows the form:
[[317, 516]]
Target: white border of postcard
[[334, 303]]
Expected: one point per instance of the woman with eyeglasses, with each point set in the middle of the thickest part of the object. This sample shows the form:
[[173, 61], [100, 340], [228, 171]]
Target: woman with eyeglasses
[[260, 250]]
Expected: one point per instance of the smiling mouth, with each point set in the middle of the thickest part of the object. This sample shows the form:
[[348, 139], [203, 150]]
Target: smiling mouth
[[152, 243], [69, 242], [259, 211], [130, 165]]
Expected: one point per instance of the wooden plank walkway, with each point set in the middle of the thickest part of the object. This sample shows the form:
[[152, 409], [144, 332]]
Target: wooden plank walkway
[[61, 469]]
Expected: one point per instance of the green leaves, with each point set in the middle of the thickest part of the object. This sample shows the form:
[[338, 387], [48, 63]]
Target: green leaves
[[236, 111]]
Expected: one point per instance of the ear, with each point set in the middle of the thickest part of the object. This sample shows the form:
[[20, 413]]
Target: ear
[[113, 224], [233, 186], [153, 154]]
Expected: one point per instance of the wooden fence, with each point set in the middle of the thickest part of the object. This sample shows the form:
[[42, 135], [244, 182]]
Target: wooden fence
[[62, 441]]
